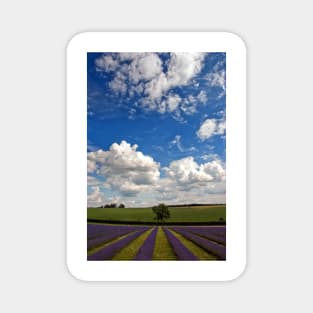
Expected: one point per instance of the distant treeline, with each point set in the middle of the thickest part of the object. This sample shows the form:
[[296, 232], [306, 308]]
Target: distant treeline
[[195, 204], [110, 205], [115, 205], [210, 223]]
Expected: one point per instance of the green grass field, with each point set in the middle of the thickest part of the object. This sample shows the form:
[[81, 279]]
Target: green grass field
[[193, 214]]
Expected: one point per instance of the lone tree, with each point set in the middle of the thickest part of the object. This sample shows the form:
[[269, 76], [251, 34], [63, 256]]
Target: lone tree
[[161, 212]]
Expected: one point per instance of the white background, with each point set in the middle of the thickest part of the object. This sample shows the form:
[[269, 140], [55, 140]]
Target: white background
[[76, 178], [32, 168]]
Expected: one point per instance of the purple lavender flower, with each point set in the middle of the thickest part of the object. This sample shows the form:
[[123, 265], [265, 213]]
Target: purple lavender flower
[[105, 237], [99, 234], [180, 250], [94, 230], [210, 246], [109, 251], [145, 252], [209, 232]]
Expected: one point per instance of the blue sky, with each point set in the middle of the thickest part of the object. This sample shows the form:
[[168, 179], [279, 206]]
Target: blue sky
[[156, 128]]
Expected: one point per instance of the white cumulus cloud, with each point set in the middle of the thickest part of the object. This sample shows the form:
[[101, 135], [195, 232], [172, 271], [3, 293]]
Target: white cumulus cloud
[[218, 79], [118, 84], [211, 127], [96, 197], [135, 178], [181, 69], [106, 63], [187, 173], [124, 168], [170, 104], [144, 74], [145, 67]]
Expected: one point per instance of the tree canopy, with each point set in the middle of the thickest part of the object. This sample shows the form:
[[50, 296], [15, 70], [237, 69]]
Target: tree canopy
[[161, 212]]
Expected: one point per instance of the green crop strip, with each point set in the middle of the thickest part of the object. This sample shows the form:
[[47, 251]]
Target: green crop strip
[[195, 214], [162, 248], [94, 250], [200, 253], [130, 251]]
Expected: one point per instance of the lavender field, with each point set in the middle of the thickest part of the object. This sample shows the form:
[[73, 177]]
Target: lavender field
[[146, 243]]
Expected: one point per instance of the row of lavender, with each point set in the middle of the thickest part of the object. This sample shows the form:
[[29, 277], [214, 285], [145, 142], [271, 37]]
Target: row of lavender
[[145, 252], [181, 252], [94, 230], [213, 233], [210, 242], [108, 252], [100, 234]]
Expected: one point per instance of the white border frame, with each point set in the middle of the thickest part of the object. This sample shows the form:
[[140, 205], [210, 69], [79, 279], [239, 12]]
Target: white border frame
[[77, 156]]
